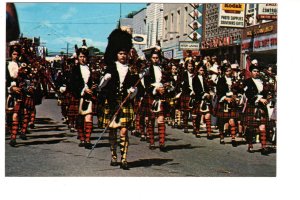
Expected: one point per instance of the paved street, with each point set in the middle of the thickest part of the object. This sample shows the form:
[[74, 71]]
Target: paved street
[[52, 150]]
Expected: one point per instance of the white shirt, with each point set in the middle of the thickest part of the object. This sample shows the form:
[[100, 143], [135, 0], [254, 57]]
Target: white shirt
[[85, 72], [259, 84], [228, 81], [13, 69], [201, 81], [190, 79], [158, 74], [122, 70]]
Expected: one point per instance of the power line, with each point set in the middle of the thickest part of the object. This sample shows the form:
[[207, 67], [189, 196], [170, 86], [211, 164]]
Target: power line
[[71, 23]]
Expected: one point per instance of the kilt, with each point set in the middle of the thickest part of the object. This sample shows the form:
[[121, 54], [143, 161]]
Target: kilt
[[94, 106], [249, 117], [233, 113], [17, 106], [184, 102], [146, 108], [28, 102], [66, 98], [73, 107], [125, 116], [196, 109]]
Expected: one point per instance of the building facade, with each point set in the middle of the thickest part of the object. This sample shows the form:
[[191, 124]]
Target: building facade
[[139, 28], [223, 42]]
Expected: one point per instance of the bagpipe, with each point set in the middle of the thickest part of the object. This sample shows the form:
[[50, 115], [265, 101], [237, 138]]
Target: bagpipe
[[85, 103], [269, 93], [161, 98], [236, 94]]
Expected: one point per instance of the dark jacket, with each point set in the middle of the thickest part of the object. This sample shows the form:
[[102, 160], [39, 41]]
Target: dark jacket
[[199, 89], [77, 82]]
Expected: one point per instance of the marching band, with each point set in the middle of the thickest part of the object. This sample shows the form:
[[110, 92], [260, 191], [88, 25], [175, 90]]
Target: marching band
[[170, 93]]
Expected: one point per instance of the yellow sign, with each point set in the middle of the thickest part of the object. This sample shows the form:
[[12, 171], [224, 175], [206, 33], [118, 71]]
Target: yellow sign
[[233, 7]]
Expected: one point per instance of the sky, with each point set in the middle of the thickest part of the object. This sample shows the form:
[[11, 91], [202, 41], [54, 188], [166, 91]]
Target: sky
[[60, 23]]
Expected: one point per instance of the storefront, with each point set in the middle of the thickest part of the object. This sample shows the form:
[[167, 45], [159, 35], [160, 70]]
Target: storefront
[[260, 42]]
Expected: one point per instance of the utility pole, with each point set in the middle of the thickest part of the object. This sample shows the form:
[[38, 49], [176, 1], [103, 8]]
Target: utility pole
[[67, 49]]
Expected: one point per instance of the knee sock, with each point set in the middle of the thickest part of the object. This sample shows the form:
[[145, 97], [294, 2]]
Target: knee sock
[[124, 147], [162, 133], [88, 126]]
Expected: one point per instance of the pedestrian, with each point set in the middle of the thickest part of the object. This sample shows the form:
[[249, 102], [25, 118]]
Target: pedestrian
[[256, 112], [187, 92], [155, 100], [82, 88], [202, 105], [115, 86], [227, 107]]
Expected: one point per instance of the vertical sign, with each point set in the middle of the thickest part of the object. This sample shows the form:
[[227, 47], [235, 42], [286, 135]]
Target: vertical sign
[[196, 24], [232, 15]]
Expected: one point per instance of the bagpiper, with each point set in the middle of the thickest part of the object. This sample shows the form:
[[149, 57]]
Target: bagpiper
[[115, 86], [259, 102], [83, 88]]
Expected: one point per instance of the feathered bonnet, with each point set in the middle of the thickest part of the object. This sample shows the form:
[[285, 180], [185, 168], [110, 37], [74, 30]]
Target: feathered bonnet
[[83, 49], [118, 40]]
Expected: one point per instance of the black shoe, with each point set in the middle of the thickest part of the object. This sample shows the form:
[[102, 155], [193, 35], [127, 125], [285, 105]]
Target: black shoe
[[88, 145], [12, 143], [250, 150], [222, 141], [23, 136], [175, 125], [162, 148], [198, 135], [31, 126], [264, 151], [114, 162], [186, 130], [151, 147], [143, 138], [81, 144], [234, 143], [209, 137], [124, 165]]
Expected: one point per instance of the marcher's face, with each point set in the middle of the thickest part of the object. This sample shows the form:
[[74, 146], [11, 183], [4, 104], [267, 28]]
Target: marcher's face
[[154, 58], [201, 71], [190, 67], [122, 57], [228, 72], [82, 59], [255, 73], [174, 69], [14, 55]]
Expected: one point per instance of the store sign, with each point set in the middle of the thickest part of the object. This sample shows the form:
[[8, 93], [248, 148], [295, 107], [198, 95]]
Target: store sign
[[264, 43], [139, 39], [189, 45], [232, 15], [246, 45], [233, 7], [168, 54], [262, 30], [267, 11]]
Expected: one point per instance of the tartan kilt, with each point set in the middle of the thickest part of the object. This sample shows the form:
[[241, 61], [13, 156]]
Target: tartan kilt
[[94, 106], [17, 107], [184, 102], [196, 109], [28, 102], [125, 115], [66, 98], [146, 108], [233, 113], [249, 117], [73, 106]]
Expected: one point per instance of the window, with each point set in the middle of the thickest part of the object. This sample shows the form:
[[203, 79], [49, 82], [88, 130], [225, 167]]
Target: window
[[166, 26], [178, 21]]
